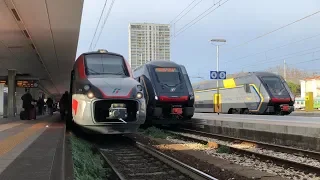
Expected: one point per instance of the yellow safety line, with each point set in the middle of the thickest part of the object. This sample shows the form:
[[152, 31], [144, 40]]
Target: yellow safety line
[[6, 126], [8, 144]]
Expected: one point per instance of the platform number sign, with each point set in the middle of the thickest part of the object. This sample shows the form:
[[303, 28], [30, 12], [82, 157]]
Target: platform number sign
[[218, 75]]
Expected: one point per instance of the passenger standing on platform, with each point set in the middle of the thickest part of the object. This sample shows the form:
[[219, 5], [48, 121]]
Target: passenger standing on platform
[[64, 105], [26, 103], [40, 104], [50, 105]]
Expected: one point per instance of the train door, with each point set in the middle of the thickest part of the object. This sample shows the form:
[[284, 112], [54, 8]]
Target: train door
[[217, 103]]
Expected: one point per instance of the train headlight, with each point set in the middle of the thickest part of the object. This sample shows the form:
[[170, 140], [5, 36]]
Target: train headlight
[[86, 87], [90, 95], [191, 96], [139, 87], [139, 95]]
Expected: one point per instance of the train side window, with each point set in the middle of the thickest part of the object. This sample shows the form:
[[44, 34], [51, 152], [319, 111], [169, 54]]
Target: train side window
[[247, 88]]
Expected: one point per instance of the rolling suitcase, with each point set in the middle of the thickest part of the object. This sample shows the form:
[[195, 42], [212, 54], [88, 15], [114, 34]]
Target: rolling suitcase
[[33, 113], [23, 115]]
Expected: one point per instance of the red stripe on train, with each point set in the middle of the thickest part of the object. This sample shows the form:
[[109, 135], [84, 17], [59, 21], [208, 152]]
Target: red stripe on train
[[81, 68], [280, 100], [173, 99], [75, 106]]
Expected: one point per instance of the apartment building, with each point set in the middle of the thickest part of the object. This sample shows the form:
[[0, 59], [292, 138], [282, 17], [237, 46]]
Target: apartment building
[[148, 42]]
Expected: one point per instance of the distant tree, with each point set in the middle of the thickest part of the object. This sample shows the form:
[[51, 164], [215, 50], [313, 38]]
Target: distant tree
[[295, 88]]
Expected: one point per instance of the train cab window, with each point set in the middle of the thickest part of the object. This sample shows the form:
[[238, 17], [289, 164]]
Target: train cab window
[[105, 64], [247, 88], [170, 76]]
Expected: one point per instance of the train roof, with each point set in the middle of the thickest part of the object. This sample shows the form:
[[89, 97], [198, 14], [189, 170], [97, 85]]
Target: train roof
[[258, 73], [101, 51], [262, 73], [96, 52], [162, 63]]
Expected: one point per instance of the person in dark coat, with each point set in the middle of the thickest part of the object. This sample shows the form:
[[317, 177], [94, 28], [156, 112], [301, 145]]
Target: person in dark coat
[[40, 104], [50, 105], [64, 104], [27, 103]]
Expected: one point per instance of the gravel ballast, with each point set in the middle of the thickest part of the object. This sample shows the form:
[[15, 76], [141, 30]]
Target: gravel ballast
[[256, 163], [204, 161]]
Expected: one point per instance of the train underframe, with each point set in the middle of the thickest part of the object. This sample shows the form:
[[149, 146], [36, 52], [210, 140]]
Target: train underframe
[[272, 109], [169, 114]]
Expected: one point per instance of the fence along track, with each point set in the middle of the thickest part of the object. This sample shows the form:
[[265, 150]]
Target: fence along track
[[136, 161]]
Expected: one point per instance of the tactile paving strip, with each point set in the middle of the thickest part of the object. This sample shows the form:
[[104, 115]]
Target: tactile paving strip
[[35, 163]]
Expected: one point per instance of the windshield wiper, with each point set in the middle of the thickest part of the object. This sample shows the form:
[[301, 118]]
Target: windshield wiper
[[93, 71], [118, 73]]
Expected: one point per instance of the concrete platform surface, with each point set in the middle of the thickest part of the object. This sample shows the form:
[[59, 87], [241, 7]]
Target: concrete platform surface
[[265, 119], [32, 149], [315, 113], [302, 132]]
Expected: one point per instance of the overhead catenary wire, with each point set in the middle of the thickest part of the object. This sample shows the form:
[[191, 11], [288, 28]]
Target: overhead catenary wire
[[105, 20], [186, 14], [95, 32], [188, 11], [277, 47], [194, 21], [316, 59], [182, 12], [270, 32], [275, 59]]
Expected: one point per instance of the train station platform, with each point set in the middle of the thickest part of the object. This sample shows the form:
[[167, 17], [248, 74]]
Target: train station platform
[[32, 149], [315, 113], [295, 131]]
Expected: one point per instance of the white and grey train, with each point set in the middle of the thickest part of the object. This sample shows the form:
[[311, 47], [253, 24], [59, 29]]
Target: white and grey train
[[250, 93], [105, 97]]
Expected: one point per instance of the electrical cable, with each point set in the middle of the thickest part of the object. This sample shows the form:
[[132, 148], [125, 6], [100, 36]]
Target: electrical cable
[[270, 32], [105, 20], [310, 37], [182, 11], [274, 60], [181, 30], [105, 3]]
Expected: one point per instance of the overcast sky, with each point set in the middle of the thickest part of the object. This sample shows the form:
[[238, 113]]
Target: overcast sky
[[237, 21]]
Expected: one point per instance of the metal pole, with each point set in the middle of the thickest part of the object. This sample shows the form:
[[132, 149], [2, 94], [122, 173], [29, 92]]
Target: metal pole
[[218, 97], [284, 70]]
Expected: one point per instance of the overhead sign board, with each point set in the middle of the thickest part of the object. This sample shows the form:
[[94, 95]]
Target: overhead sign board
[[27, 84], [218, 74]]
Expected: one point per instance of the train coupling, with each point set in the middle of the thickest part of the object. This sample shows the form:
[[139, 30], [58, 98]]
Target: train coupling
[[177, 110], [118, 111], [286, 107]]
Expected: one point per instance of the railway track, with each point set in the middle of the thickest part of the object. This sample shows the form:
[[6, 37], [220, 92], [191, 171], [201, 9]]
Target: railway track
[[280, 161], [136, 161]]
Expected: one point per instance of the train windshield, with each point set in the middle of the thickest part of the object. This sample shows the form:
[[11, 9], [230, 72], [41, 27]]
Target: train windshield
[[105, 64], [275, 85], [168, 76]]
